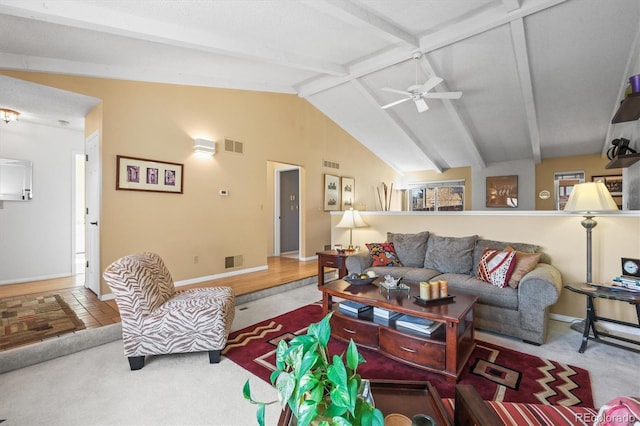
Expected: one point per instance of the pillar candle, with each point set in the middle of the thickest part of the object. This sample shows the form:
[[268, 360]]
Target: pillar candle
[[444, 288], [435, 289], [425, 290]]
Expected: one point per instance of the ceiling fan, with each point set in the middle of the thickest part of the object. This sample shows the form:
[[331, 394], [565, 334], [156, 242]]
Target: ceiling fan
[[419, 92]]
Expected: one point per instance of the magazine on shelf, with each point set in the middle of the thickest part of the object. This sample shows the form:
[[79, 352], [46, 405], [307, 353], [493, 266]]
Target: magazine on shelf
[[422, 325], [424, 332], [391, 321]]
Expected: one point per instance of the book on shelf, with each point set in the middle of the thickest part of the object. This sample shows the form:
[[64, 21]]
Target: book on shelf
[[424, 332], [351, 306], [391, 321], [421, 325], [383, 313]]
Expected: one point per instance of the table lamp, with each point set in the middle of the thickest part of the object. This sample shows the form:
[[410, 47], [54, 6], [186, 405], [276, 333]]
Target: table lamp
[[589, 198], [351, 219]]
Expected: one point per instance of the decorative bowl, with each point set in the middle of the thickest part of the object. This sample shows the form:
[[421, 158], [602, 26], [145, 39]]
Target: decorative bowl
[[359, 281]]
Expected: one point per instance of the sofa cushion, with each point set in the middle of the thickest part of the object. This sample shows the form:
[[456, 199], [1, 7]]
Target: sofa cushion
[[411, 248], [450, 254], [383, 254], [496, 266], [525, 263], [487, 294], [498, 245]]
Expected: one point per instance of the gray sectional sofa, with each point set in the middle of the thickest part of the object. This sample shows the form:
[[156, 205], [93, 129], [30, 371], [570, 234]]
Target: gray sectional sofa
[[520, 309]]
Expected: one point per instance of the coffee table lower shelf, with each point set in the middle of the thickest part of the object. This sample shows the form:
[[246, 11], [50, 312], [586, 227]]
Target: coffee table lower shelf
[[396, 396]]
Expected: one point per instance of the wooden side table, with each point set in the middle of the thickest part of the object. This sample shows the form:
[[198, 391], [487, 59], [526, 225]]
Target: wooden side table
[[331, 259], [593, 291]]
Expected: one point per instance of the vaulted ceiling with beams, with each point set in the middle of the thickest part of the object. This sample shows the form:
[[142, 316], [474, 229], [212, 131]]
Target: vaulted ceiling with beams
[[539, 78]]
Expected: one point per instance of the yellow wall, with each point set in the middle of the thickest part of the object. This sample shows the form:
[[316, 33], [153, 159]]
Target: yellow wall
[[560, 235], [159, 122], [591, 165]]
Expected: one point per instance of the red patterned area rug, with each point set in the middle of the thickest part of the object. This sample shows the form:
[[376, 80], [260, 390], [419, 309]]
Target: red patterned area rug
[[497, 373], [28, 319]]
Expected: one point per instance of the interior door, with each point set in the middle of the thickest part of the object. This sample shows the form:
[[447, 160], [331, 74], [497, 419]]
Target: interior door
[[289, 211], [92, 219]]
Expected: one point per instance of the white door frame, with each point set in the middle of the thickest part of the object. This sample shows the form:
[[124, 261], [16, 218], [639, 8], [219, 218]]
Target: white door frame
[[74, 217], [276, 205], [93, 197]]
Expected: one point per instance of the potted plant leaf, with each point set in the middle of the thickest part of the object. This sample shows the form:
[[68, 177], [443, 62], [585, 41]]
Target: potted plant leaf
[[319, 388]]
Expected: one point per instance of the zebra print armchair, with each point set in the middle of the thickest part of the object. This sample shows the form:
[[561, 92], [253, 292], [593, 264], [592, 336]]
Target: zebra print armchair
[[158, 320]]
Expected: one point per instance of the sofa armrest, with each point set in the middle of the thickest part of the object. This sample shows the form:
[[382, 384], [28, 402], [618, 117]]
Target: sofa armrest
[[540, 287], [358, 262]]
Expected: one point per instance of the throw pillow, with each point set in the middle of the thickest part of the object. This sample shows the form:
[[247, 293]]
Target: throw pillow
[[411, 248], [499, 245], [383, 254], [450, 254], [525, 263], [496, 266]]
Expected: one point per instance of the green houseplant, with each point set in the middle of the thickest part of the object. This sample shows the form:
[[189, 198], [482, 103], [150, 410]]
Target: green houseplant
[[318, 387]]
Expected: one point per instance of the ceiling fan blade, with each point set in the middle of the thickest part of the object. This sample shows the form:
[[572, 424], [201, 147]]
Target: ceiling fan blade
[[395, 103], [421, 105], [402, 92], [443, 95], [430, 84]]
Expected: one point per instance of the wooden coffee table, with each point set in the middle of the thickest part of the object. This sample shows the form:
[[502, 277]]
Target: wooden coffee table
[[395, 396], [445, 352]]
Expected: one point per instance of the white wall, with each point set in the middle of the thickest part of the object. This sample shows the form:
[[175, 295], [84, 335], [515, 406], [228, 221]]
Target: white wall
[[35, 236]]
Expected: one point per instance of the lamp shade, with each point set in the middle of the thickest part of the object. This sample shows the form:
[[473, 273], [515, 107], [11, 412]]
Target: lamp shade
[[204, 146], [590, 197], [351, 219]]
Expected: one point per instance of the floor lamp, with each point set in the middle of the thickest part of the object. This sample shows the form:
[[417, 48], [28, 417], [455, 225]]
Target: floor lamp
[[589, 198], [351, 219]]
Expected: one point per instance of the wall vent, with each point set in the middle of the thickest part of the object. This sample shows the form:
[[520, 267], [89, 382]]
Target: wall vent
[[233, 146], [233, 261], [330, 164]]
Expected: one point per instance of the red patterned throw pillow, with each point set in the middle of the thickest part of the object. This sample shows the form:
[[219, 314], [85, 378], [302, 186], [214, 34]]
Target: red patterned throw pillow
[[496, 266], [383, 254]]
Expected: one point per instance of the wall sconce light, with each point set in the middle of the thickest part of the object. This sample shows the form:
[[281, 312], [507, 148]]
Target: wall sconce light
[[204, 146], [8, 115]]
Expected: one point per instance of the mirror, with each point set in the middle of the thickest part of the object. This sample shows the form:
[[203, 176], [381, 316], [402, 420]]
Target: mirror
[[15, 180]]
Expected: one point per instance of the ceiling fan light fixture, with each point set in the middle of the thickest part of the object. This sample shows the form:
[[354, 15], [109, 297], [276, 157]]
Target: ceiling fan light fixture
[[8, 115]]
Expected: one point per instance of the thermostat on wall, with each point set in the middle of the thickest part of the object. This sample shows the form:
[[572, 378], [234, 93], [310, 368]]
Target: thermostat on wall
[[223, 192]]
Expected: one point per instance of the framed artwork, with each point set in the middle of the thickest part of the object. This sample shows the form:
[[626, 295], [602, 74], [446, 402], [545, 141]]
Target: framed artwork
[[348, 195], [612, 182], [331, 192], [141, 174], [502, 191]]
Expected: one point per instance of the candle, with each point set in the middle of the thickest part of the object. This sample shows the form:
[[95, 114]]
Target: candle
[[435, 289], [424, 290], [444, 288]]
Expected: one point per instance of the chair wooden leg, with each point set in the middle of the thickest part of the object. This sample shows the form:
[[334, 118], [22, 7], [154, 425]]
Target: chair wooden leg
[[136, 362], [214, 357]]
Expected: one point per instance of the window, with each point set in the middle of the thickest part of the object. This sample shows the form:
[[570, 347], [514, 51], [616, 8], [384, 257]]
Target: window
[[436, 196], [563, 183]]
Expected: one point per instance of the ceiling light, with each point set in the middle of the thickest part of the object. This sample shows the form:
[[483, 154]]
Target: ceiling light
[[8, 115], [204, 146]]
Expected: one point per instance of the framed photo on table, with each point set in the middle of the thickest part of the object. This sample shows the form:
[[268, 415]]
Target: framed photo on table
[[612, 182], [348, 185], [331, 192], [141, 174]]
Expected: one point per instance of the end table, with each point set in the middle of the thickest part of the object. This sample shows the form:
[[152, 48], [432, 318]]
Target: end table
[[593, 291], [331, 259]]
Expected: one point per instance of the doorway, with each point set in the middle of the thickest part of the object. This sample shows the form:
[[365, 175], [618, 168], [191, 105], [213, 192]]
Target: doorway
[[287, 215], [78, 253], [93, 179]]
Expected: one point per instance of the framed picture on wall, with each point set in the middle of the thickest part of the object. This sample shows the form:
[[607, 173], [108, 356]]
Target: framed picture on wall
[[502, 191], [612, 182], [141, 174], [331, 192], [348, 196]]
